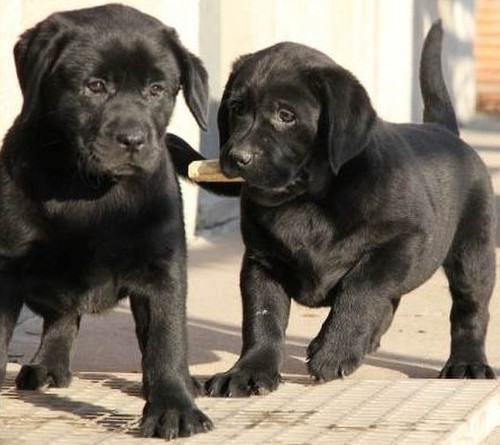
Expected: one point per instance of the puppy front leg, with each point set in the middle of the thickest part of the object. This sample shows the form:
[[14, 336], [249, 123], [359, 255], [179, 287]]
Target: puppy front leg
[[266, 308], [159, 308], [363, 306], [345, 337], [140, 310], [51, 363]]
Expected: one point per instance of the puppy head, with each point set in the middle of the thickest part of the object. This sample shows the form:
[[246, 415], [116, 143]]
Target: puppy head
[[284, 110], [102, 82]]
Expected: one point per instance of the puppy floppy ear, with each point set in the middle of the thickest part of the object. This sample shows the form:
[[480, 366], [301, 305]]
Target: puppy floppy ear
[[223, 113], [36, 54], [347, 115], [194, 81]]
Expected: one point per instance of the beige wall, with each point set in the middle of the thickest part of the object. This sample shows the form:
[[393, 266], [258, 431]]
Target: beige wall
[[378, 40]]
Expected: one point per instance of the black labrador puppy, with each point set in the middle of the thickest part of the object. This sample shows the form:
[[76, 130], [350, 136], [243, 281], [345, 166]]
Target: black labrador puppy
[[90, 210], [344, 210]]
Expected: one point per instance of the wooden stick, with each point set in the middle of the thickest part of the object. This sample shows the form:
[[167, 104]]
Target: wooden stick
[[208, 171]]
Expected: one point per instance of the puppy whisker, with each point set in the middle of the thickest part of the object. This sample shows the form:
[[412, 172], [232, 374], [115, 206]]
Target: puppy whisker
[[52, 143]]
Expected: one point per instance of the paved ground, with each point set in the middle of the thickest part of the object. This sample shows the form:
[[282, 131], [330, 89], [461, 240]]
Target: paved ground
[[416, 346], [104, 408]]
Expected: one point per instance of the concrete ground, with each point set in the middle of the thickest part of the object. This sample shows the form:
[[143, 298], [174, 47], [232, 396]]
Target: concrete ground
[[415, 347]]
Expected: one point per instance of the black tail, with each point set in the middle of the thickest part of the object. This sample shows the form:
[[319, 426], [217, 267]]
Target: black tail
[[437, 104], [183, 154]]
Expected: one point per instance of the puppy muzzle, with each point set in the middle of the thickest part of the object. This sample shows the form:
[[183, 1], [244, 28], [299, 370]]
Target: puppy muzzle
[[235, 162]]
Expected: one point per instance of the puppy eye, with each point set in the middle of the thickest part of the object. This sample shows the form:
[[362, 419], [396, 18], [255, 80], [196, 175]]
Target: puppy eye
[[237, 107], [97, 86], [156, 89], [286, 116]]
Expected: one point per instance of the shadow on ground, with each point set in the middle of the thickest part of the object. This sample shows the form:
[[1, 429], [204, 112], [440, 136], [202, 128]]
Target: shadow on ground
[[205, 337]]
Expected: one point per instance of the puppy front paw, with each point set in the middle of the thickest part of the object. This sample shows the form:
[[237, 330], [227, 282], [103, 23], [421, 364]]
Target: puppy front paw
[[327, 361], [467, 371], [172, 422], [37, 376], [243, 382]]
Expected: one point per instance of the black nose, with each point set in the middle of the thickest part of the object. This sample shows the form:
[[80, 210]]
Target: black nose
[[241, 158], [132, 139]]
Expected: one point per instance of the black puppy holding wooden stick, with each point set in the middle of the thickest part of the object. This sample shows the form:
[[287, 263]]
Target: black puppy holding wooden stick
[[344, 210]]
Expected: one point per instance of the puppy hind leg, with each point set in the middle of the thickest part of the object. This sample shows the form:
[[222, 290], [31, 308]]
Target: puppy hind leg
[[140, 311], [9, 313], [470, 269], [51, 365]]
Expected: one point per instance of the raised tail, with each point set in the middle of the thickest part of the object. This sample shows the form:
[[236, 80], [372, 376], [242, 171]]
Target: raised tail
[[437, 104]]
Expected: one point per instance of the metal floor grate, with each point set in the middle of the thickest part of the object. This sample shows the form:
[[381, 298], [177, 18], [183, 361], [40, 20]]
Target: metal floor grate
[[106, 408]]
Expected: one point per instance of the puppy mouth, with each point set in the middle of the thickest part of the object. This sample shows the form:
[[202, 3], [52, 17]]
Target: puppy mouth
[[270, 195], [275, 196], [94, 160], [278, 183], [258, 179], [296, 182]]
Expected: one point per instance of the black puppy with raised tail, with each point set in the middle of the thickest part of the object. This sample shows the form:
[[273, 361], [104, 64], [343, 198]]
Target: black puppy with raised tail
[[90, 210], [345, 210]]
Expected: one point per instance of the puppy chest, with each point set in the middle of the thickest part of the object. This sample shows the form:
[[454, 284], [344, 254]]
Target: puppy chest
[[310, 255]]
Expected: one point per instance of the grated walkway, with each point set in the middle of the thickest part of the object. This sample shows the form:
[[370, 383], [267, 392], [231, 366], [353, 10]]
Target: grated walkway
[[104, 408]]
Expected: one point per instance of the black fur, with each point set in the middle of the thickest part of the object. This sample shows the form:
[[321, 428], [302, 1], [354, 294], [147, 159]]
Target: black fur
[[90, 210], [437, 103], [345, 210]]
